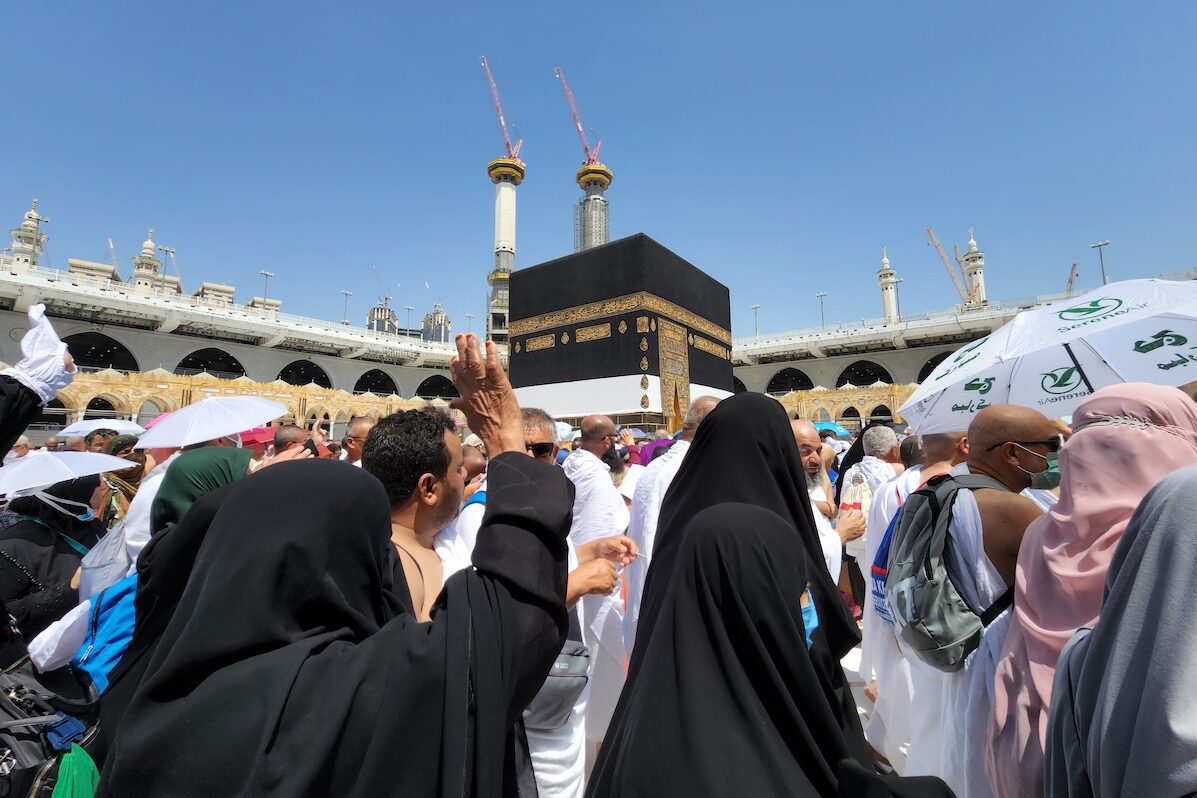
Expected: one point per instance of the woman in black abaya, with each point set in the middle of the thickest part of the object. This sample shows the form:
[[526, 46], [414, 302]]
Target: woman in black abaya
[[289, 669], [727, 699], [40, 554], [744, 452]]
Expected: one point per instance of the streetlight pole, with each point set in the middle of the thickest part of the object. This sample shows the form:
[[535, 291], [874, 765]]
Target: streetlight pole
[[409, 309], [1099, 246], [756, 320], [822, 316], [345, 315], [469, 322], [167, 252], [265, 284]]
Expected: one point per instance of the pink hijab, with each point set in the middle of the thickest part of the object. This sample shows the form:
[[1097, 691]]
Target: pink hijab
[[1105, 469]]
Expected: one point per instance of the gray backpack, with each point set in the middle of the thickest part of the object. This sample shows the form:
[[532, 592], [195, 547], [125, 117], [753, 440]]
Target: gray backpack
[[931, 616]]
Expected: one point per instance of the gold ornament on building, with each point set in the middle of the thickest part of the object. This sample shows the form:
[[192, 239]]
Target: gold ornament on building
[[690, 339], [644, 383], [644, 364], [565, 338], [643, 344], [623, 327], [653, 325], [517, 347], [642, 324], [644, 401]]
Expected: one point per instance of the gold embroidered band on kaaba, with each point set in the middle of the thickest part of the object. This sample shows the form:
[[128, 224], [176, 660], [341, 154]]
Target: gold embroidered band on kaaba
[[613, 307]]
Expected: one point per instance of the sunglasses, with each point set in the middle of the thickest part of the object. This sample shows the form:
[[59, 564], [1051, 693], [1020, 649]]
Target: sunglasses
[[1052, 444], [539, 449]]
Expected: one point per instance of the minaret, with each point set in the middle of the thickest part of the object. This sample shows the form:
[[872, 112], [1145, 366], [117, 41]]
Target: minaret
[[28, 240], [506, 174], [974, 272], [887, 278], [147, 270], [591, 227]]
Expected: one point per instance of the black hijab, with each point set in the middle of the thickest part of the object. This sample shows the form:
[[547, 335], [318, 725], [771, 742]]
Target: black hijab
[[851, 457], [288, 668], [39, 540], [728, 699], [745, 452]]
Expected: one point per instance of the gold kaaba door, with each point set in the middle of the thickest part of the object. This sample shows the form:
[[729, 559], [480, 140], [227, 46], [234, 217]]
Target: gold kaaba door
[[675, 372]]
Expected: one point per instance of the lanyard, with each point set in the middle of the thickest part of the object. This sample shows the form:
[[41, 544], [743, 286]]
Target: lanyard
[[74, 544]]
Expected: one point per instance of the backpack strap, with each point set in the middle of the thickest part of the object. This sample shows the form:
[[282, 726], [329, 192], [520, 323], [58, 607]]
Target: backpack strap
[[1004, 602], [978, 481]]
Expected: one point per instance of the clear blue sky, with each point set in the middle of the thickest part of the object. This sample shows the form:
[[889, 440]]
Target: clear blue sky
[[777, 146]]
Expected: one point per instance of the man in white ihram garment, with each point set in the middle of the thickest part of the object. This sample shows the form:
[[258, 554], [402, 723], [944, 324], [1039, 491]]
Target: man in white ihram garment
[[646, 509], [877, 467], [599, 511], [1017, 447], [896, 727]]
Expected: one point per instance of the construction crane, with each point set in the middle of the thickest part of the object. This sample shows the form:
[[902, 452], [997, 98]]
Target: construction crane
[[592, 155], [957, 279], [513, 151], [386, 296], [1071, 280]]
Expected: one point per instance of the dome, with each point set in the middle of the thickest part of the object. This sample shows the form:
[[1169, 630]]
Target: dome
[[147, 246], [884, 259]]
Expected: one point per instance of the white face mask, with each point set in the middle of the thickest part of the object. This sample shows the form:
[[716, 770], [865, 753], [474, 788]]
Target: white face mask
[[57, 502]]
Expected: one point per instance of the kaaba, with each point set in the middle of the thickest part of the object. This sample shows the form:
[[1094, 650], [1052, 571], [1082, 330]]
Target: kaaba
[[628, 329]]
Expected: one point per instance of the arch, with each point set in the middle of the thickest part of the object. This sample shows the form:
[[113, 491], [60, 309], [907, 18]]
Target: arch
[[377, 382], [150, 409], [302, 372], [850, 417], [863, 372], [822, 415], [100, 407], [437, 386], [93, 350], [789, 379], [882, 414], [213, 360], [738, 386], [931, 365]]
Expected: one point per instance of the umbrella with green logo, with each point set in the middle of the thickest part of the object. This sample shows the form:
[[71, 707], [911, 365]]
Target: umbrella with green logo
[[1051, 358]]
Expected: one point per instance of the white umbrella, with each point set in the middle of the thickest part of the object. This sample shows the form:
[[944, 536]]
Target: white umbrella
[[1052, 358], [31, 473], [89, 426], [209, 419]]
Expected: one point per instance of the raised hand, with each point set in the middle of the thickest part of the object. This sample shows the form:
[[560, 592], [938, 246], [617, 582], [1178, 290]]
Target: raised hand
[[487, 398]]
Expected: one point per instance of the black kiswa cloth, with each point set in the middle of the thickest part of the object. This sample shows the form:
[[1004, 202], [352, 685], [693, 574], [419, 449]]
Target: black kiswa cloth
[[728, 699], [289, 668]]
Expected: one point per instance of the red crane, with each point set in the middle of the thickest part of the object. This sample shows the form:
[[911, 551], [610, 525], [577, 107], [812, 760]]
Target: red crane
[[591, 155], [513, 152]]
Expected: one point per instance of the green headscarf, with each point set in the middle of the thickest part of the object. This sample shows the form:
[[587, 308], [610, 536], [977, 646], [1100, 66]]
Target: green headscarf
[[191, 476]]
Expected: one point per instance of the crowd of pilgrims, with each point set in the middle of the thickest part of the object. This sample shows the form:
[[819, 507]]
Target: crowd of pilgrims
[[408, 614]]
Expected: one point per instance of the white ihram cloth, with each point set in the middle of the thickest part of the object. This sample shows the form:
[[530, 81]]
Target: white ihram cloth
[[829, 540], [599, 511], [889, 726], [558, 755], [646, 509]]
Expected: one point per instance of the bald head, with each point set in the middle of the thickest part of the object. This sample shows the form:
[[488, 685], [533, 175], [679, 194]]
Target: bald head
[[810, 446], [698, 411], [1010, 442], [598, 435]]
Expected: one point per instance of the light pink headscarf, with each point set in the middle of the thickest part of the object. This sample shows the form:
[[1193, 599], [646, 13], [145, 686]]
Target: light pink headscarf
[[1105, 469]]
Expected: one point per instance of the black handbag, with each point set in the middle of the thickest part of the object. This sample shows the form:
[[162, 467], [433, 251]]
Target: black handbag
[[554, 702], [40, 715]]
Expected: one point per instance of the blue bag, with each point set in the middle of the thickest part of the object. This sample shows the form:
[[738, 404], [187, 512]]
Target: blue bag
[[109, 631]]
